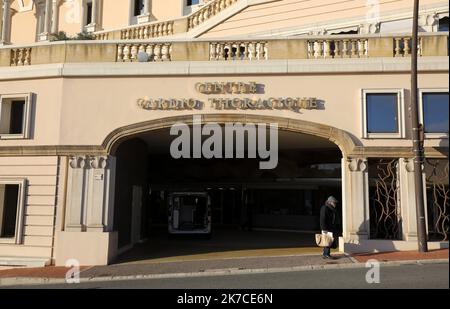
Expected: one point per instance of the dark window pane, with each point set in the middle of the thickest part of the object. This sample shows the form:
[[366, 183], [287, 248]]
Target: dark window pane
[[9, 195], [89, 13], [435, 112], [192, 2], [443, 24], [16, 123], [138, 7], [382, 113]]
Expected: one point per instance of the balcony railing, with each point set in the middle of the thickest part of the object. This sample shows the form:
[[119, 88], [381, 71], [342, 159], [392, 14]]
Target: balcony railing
[[141, 32], [325, 47], [167, 28], [208, 11]]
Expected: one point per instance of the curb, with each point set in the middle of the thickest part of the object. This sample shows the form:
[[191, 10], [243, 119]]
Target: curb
[[11, 282]]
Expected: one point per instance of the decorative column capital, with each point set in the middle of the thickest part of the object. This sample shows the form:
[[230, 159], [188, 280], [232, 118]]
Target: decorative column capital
[[357, 164], [429, 22], [409, 165], [98, 162], [76, 162], [86, 161], [369, 28]]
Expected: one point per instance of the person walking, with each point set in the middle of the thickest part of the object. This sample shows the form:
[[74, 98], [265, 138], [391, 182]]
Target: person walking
[[329, 223]]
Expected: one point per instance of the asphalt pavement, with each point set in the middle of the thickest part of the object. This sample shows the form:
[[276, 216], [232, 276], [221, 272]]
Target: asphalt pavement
[[408, 276]]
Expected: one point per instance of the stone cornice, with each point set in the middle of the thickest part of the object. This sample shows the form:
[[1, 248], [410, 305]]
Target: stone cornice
[[359, 151], [193, 68]]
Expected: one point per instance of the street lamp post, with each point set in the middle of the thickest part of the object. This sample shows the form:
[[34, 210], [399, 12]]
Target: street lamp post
[[417, 136]]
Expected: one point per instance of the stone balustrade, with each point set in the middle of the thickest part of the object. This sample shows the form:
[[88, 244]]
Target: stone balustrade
[[148, 31], [167, 28], [20, 56], [151, 52], [211, 9], [403, 47], [102, 36], [231, 51], [140, 32], [325, 47], [340, 48]]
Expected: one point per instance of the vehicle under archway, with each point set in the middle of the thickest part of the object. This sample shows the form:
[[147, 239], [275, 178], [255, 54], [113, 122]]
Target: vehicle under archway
[[231, 202]]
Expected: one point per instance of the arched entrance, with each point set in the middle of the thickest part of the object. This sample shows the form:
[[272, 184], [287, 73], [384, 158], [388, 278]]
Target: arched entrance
[[279, 206]]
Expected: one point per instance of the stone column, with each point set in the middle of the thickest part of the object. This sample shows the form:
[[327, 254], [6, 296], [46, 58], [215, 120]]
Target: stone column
[[48, 15], [355, 208], [95, 23], [94, 11], [6, 22], [90, 193], [87, 234], [100, 201], [146, 17], [55, 16], [408, 199], [76, 194], [45, 34]]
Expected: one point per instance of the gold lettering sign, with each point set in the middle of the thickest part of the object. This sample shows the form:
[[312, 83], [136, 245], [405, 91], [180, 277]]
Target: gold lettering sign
[[293, 104], [226, 88], [169, 104]]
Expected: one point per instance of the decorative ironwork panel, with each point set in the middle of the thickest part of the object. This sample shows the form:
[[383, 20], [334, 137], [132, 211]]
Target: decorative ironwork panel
[[437, 172], [385, 217]]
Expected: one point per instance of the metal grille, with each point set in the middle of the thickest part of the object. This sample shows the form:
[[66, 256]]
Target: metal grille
[[385, 219], [437, 172]]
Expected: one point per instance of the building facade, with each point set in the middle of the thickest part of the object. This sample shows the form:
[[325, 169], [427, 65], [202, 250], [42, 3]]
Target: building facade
[[85, 124]]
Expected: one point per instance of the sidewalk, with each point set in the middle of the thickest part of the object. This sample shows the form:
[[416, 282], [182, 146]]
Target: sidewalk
[[403, 256], [19, 276]]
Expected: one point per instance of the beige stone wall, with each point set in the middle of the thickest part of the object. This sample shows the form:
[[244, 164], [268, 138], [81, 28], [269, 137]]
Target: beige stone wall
[[40, 204], [167, 9], [23, 25], [70, 17], [115, 14], [83, 111], [101, 105], [288, 13], [341, 96], [45, 113]]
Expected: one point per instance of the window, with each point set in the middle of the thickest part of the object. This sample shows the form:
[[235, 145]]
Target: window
[[192, 2], [11, 210], [14, 116], [383, 114], [138, 7], [434, 108], [443, 24], [89, 13]]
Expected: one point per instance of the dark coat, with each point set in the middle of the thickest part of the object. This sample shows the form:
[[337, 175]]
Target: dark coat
[[329, 219]]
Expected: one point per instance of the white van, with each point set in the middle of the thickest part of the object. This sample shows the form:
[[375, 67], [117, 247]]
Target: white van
[[189, 213]]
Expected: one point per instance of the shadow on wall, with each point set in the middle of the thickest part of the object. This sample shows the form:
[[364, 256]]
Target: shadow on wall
[[363, 246], [386, 245]]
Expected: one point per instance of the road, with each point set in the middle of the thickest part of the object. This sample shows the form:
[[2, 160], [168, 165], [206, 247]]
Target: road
[[408, 276]]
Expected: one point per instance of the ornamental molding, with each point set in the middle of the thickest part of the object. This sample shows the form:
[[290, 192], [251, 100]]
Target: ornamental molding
[[86, 161], [357, 164]]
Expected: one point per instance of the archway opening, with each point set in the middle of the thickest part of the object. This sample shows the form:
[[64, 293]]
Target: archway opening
[[247, 208]]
